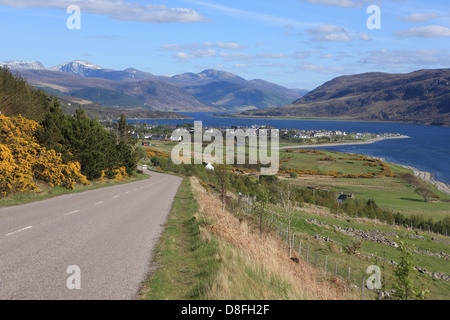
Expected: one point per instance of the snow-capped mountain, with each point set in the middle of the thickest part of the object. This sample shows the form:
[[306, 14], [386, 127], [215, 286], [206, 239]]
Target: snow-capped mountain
[[23, 65], [78, 67], [207, 90]]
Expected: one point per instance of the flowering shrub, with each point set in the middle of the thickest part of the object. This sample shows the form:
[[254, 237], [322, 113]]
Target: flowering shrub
[[156, 153], [23, 161]]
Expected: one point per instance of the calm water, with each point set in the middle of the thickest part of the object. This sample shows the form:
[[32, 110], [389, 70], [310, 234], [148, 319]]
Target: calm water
[[427, 150]]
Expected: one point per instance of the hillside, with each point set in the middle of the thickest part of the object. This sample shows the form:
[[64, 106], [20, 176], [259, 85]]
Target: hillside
[[148, 94], [419, 97], [17, 98], [232, 95]]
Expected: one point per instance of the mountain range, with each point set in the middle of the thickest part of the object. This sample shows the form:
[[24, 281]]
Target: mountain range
[[210, 90], [421, 97]]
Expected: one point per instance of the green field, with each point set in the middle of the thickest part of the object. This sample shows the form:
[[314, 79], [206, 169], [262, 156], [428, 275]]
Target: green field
[[335, 253], [389, 193]]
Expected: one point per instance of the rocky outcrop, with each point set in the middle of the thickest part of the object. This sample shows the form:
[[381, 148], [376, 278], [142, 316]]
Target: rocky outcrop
[[435, 275]]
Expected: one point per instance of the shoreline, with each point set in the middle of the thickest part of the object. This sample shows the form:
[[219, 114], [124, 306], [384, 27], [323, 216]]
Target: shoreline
[[423, 175], [426, 176], [370, 141]]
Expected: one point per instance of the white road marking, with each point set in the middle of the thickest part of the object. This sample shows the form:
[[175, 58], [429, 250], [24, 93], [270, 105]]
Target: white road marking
[[115, 197], [75, 211], [20, 230], [99, 203], [127, 192]]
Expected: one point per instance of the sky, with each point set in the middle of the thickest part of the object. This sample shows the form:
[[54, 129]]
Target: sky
[[294, 43]]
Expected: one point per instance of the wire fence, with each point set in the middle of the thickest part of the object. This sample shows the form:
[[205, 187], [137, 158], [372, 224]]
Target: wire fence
[[302, 249]]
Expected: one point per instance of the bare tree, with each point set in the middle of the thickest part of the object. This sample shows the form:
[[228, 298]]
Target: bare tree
[[285, 195], [223, 176], [263, 200]]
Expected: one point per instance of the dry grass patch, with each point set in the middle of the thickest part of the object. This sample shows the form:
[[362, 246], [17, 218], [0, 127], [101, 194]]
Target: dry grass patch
[[259, 268]]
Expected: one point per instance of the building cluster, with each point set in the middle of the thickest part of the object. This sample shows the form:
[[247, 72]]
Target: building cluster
[[148, 132]]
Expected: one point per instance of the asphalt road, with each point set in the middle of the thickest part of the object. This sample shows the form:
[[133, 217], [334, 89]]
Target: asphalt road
[[92, 245]]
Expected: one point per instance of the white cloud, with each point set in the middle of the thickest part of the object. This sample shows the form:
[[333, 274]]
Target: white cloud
[[229, 56], [419, 17], [337, 37], [301, 55], [423, 58], [205, 45], [116, 9], [184, 56], [425, 32], [272, 55], [330, 32], [229, 46], [252, 15], [364, 37], [321, 69], [325, 29], [201, 53], [338, 3]]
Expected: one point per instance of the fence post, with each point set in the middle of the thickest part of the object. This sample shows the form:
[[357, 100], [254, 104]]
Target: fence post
[[315, 261], [300, 249], [281, 228], [363, 287], [335, 269], [293, 240], [326, 261], [348, 274], [307, 254]]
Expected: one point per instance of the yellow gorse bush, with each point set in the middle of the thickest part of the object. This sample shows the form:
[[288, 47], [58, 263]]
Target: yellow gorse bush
[[153, 152], [118, 173], [23, 161]]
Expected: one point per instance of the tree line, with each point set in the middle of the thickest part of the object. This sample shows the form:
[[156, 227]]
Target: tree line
[[251, 186], [75, 140]]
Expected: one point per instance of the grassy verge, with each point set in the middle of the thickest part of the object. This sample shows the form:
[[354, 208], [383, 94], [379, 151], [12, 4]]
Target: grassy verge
[[47, 192], [184, 263]]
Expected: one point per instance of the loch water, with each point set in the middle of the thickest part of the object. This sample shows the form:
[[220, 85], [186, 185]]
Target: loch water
[[427, 149]]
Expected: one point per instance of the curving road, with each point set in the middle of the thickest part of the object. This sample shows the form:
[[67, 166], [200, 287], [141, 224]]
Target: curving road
[[92, 245]]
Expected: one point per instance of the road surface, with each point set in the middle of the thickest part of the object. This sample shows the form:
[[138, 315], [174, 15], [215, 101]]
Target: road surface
[[92, 245]]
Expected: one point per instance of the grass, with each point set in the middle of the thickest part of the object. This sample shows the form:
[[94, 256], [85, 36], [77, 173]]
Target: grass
[[389, 193], [47, 192], [184, 262], [439, 289], [209, 254]]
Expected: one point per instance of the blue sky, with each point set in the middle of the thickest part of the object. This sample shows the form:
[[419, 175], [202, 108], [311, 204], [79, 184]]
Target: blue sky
[[295, 43]]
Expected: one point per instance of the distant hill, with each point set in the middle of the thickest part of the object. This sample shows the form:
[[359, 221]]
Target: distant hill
[[230, 90], [231, 95], [419, 97], [148, 94], [138, 89]]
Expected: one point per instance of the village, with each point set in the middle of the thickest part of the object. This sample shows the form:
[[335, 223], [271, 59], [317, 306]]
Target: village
[[145, 131]]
